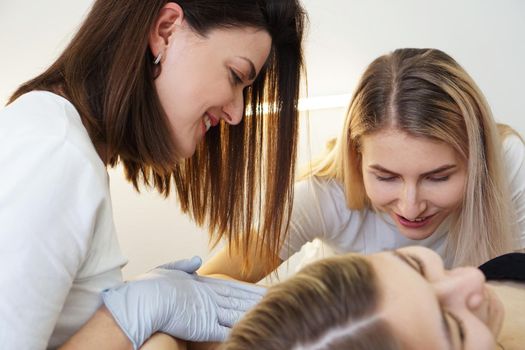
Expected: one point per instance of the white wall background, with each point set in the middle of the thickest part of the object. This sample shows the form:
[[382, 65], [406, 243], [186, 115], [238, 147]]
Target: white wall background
[[486, 36]]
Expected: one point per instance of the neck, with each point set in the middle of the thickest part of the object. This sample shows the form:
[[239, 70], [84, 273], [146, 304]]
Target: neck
[[512, 295]]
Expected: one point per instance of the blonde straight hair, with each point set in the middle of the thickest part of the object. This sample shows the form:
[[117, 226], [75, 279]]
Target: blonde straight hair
[[426, 93]]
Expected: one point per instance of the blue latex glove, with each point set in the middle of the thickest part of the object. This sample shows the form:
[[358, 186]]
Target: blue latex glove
[[173, 299]]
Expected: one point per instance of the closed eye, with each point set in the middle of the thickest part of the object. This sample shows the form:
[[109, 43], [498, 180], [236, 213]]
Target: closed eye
[[439, 178], [419, 266], [235, 77], [386, 178], [440, 174]]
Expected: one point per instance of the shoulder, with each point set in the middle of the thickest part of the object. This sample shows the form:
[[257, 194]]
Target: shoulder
[[513, 147], [322, 189], [319, 194], [38, 111], [505, 267], [41, 123], [514, 158], [322, 202]]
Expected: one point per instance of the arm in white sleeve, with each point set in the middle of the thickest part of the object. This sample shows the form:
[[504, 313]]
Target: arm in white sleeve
[[319, 211], [49, 200], [514, 151]]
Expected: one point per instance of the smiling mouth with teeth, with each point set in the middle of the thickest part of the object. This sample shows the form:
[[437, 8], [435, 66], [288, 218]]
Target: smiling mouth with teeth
[[207, 122], [417, 220]]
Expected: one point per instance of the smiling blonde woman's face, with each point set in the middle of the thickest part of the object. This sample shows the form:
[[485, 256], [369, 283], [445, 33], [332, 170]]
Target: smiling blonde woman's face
[[433, 308], [417, 181]]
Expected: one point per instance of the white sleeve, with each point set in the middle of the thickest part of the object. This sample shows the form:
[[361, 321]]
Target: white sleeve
[[49, 198], [514, 151], [319, 211]]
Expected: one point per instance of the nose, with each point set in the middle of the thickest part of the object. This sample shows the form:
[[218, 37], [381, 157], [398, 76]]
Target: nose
[[409, 203], [462, 287], [233, 111]]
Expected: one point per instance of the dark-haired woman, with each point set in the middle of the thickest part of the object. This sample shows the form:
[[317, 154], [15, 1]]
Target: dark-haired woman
[[163, 88]]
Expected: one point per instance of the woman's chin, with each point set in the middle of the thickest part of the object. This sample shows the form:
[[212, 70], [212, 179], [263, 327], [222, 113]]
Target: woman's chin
[[185, 152]]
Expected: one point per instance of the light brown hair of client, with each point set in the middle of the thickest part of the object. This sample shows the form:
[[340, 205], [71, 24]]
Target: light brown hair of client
[[331, 304]]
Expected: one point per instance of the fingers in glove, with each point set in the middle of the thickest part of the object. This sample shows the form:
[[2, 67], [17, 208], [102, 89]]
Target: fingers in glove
[[228, 317], [186, 265], [233, 288], [219, 333], [235, 304]]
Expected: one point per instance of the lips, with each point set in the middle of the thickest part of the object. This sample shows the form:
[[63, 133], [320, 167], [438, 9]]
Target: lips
[[417, 223]]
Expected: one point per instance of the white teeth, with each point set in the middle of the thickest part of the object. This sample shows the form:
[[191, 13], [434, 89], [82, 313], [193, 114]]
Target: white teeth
[[207, 122], [416, 220]]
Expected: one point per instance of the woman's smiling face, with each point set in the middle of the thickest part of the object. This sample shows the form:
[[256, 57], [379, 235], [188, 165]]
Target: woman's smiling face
[[202, 77], [417, 181], [432, 308]]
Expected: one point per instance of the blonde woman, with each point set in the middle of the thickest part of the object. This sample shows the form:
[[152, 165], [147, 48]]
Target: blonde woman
[[420, 161]]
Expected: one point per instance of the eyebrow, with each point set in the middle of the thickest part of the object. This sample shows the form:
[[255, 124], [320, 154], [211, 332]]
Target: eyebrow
[[428, 173], [418, 265], [252, 74]]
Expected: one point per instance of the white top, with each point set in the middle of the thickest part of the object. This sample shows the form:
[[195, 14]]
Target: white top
[[320, 211], [58, 245]]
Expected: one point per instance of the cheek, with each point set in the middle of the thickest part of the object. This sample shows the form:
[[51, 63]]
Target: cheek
[[180, 81], [168, 91], [171, 94], [479, 336], [446, 195], [380, 193]]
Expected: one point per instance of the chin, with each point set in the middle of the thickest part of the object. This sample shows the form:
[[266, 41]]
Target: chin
[[416, 234], [185, 152], [181, 156]]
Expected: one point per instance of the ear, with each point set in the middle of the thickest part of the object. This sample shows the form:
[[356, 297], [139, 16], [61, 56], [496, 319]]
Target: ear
[[170, 16]]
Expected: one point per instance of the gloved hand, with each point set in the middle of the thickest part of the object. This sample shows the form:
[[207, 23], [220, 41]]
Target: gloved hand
[[173, 299]]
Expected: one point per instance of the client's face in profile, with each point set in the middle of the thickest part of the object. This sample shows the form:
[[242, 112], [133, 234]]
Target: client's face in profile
[[433, 308]]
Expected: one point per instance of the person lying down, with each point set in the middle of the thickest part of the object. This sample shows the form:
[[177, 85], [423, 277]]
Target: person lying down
[[402, 299]]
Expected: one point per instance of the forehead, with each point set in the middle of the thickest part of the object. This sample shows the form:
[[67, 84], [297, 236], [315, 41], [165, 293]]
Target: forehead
[[408, 303], [395, 149], [248, 42]]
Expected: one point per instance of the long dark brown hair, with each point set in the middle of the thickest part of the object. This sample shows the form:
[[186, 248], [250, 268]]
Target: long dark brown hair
[[107, 73]]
